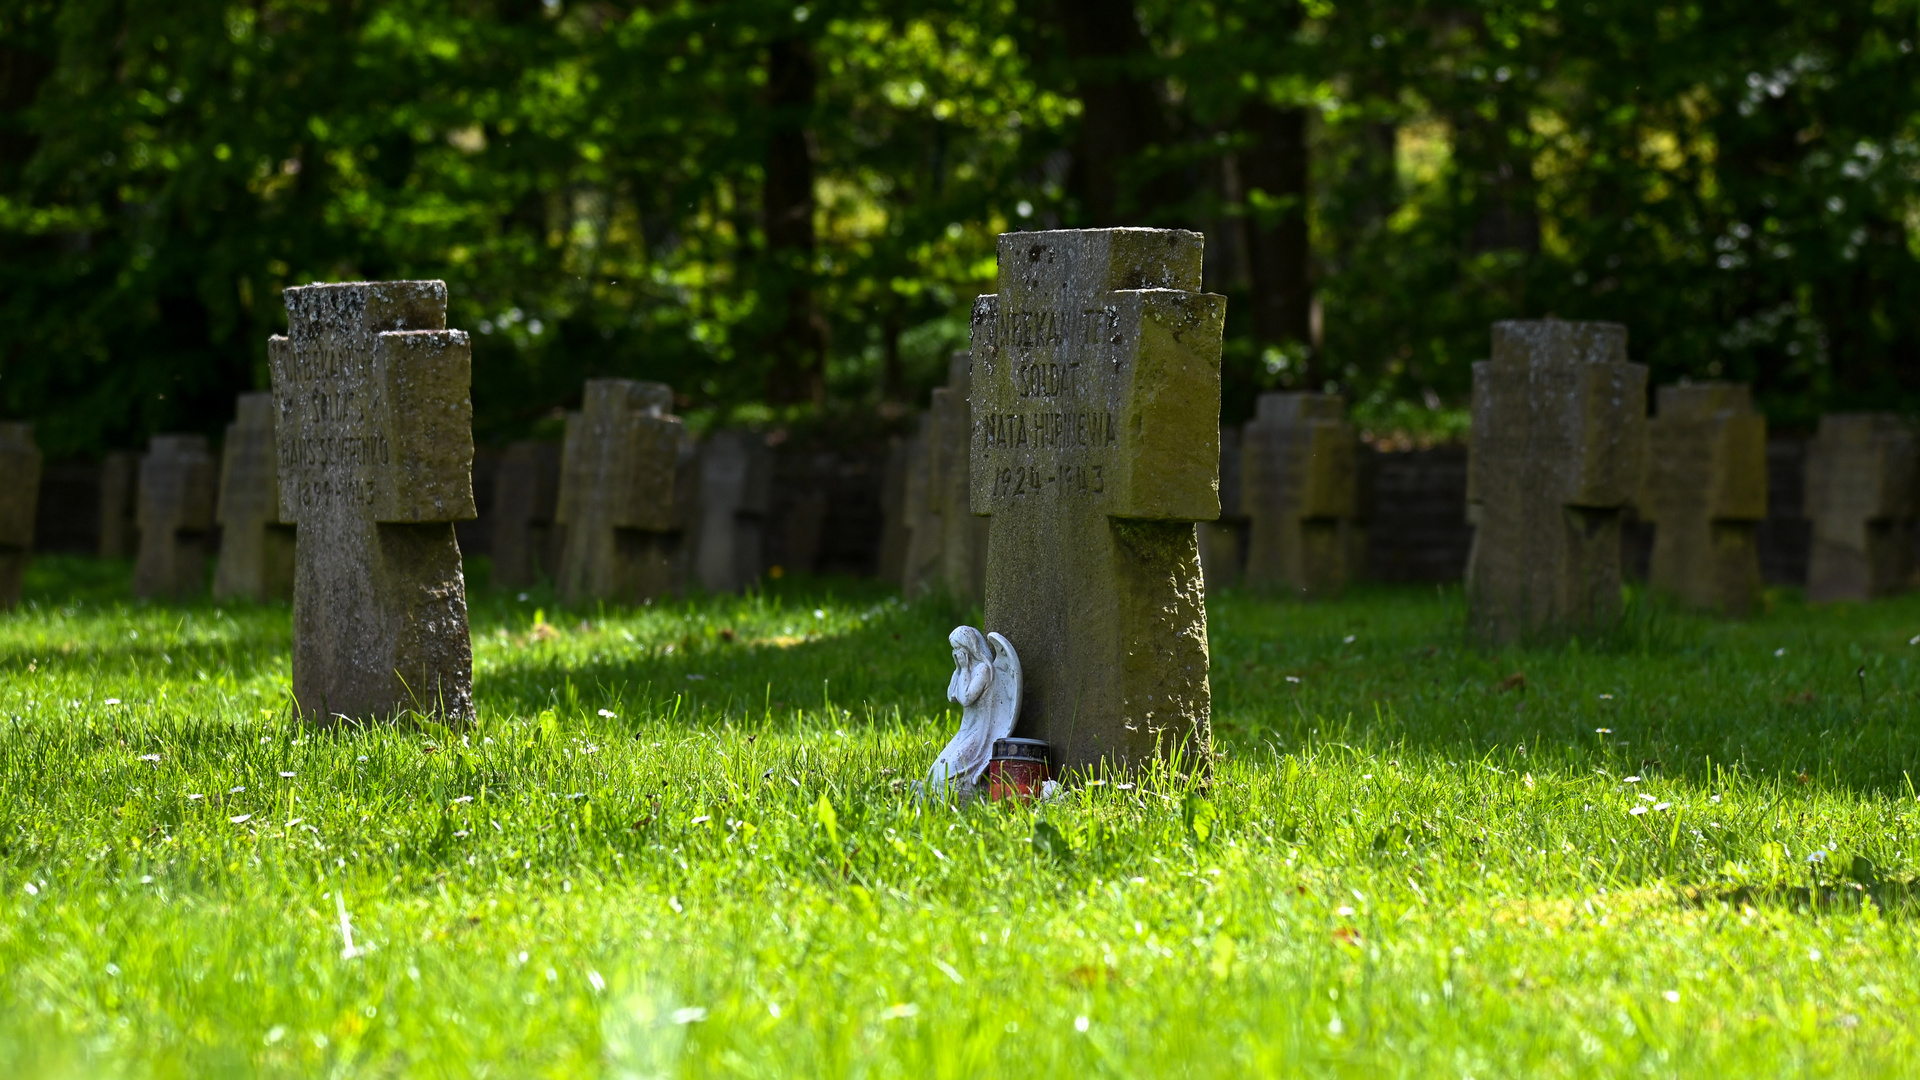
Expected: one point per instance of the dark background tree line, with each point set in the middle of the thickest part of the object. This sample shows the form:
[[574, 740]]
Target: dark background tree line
[[784, 210]]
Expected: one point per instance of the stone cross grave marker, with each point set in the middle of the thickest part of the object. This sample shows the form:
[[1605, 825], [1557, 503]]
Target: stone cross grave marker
[[526, 493], [174, 512], [963, 536], [1860, 475], [1299, 481], [1559, 436], [119, 484], [735, 478], [1223, 543], [256, 548], [921, 562], [1705, 494], [1096, 406], [19, 499], [893, 514], [375, 432], [623, 493]]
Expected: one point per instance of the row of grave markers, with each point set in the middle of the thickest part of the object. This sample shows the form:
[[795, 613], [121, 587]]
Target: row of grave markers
[[1069, 477]]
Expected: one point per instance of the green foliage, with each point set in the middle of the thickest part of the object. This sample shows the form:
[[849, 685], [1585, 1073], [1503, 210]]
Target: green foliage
[[664, 850], [1736, 181]]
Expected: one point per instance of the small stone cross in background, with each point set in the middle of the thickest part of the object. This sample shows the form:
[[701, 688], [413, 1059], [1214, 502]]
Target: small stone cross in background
[[256, 548], [1559, 437], [174, 512], [623, 494], [1299, 484], [1861, 472], [1705, 494]]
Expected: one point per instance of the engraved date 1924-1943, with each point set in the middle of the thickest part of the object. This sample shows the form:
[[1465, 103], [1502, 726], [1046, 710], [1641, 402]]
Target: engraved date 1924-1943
[[1064, 479]]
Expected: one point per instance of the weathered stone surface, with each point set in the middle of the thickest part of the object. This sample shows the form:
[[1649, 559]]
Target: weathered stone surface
[[894, 533], [963, 536], [174, 512], [119, 486], [624, 502], [1705, 494], [19, 498], [1096, 405], [1559, 439], [527, 541], [375, 433], [1299, 488], [1861, 473], [926, 532], [256, 548], [1223, 542], [735, 476]]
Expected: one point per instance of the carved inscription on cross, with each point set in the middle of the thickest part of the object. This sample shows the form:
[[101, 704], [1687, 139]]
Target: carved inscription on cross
[[624, 479], [375, 434], [1096, 447]]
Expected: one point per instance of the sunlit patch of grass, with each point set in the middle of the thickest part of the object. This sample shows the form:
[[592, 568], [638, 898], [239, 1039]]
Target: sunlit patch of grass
[[680, 839]]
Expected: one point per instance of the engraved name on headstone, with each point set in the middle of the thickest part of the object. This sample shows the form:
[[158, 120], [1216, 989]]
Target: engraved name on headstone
[[1096, 405], [1860, 476], [624, 503], [526, 493], [375, 430], [174, 512], [1559, 437], [735, 479], [256, 548], [1299, 478], [1705, 494], [19, 499]]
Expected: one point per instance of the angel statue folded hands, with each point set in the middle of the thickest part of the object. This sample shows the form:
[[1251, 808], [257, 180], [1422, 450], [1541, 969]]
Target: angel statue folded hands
[[986, 686]]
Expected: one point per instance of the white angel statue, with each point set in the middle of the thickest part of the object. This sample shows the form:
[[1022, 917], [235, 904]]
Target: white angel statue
[[986, 686]]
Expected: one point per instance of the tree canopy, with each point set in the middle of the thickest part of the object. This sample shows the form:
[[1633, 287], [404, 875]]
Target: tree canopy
[[784, 210]]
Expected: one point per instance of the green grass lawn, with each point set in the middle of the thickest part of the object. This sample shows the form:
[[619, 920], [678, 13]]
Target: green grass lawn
[[679, 841]]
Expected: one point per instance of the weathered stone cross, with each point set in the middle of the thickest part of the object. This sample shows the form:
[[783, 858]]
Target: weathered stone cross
[[375, 433], [1559, 436], [174, 510], [624, 476], [256, 549], [526, 491], [1705, 494], [1299, 487], [1860, 483], [1096, 447]]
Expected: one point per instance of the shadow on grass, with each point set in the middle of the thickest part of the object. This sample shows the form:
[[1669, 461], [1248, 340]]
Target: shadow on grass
[[1798, 694], [752, 659], [1805, 695]]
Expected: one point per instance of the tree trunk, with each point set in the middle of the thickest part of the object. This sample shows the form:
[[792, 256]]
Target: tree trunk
[[797, 345], [1121, 118], [1274, 170]]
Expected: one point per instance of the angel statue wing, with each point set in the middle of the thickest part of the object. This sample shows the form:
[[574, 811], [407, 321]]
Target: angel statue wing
[[1006, 686]]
